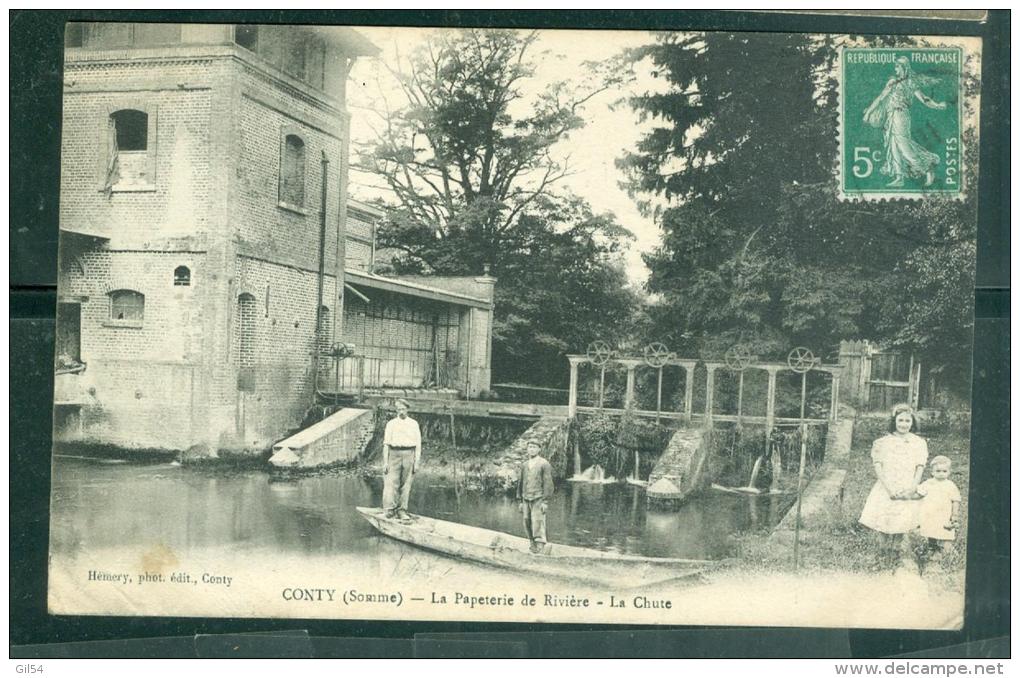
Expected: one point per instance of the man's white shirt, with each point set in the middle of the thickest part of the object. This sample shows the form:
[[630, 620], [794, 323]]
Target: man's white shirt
[[402, 433]]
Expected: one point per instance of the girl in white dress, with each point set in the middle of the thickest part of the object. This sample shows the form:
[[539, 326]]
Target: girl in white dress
[[892, 506]]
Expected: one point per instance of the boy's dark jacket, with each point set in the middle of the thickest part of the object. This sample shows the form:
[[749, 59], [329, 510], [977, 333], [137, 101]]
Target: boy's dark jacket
[[539, 485]]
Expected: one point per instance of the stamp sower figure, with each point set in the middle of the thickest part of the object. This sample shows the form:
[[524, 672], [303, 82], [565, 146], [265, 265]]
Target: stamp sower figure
[[892, 506], [534, 489], [401, 456], [940, 509], [890, 110]]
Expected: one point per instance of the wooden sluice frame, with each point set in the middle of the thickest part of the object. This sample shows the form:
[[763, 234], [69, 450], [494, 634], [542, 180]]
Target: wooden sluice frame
[[770, 419]]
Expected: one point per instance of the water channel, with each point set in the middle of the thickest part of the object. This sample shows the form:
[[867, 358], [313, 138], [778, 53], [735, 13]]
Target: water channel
[[108, 504]]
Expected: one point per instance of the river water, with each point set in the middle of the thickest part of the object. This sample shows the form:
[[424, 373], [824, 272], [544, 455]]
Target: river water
[[111, 504]]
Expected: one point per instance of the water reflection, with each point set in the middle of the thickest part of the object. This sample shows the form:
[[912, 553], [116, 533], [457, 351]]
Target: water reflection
[[98, 505]]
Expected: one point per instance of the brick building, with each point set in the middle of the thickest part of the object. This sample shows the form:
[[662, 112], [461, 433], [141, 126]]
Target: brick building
[[202, 214]]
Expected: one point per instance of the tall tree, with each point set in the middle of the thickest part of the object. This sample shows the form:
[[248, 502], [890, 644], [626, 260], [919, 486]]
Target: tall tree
[[739, 165], [470, 159]]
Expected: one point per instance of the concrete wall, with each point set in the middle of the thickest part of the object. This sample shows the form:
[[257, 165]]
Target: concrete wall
[[682, 469], [339, 438], [822, 501]]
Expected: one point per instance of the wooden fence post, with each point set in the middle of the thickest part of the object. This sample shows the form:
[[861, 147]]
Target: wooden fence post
[[916, 381], [866, 377]]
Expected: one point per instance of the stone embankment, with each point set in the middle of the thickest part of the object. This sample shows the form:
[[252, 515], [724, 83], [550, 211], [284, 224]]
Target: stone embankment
[[823, 496], [552, 433], [681, 470]]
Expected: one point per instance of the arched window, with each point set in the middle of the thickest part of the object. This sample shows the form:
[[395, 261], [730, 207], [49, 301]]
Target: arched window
[[132, 129], [128, 157], [182, 276], [127, 306], [292, 171], [245, 332]]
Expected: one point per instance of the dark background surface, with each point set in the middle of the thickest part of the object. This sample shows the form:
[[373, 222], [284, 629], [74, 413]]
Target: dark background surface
[[35, 112]]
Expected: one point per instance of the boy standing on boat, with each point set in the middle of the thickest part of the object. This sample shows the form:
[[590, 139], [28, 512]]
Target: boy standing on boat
[[401, 456], [534, 488]]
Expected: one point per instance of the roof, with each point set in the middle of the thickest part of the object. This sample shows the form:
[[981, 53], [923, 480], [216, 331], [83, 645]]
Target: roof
[[371, 210], [352, 42], [355, 277]]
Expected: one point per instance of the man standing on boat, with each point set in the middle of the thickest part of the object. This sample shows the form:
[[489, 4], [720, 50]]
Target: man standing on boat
[[534, 489], [401, 457]]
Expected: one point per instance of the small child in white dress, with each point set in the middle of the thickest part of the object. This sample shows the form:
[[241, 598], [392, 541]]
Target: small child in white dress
[[940, 508]]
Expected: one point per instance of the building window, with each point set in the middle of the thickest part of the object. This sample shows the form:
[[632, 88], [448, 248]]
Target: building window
[[292, 171], [128, 158], [246, 342], [132, 129], [182, 276], [127, 306]]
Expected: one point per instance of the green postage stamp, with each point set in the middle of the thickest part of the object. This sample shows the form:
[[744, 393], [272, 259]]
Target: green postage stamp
[[900, 123]]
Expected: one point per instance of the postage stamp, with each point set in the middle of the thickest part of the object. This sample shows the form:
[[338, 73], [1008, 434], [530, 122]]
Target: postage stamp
[[900, 123]]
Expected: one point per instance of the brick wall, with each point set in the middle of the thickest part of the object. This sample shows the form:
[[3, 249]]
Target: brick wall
[[139, 384], [177, 94], [357, 255], [289, 235], [144, 384], [359, 230], [282, 372], [216, 128], [360, 224]]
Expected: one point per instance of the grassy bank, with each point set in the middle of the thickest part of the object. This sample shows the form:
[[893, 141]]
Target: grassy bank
[[834, 540]]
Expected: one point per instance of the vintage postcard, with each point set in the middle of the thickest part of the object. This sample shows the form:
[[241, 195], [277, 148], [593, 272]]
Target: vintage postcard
[[610, 327]]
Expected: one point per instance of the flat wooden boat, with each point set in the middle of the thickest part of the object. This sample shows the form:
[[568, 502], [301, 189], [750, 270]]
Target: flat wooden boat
[[506, 550], [748, 491]]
